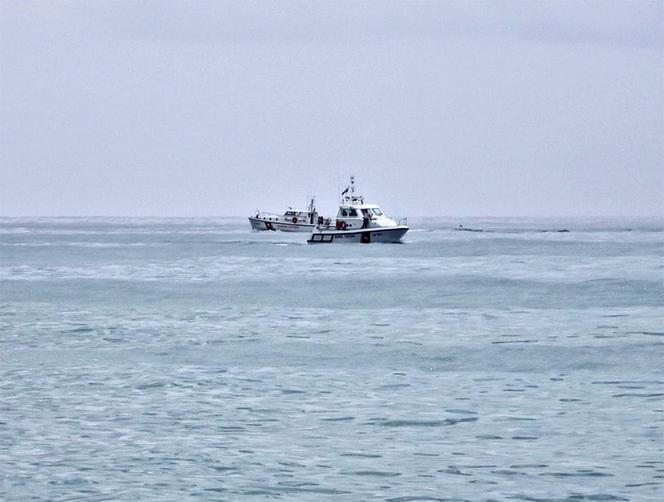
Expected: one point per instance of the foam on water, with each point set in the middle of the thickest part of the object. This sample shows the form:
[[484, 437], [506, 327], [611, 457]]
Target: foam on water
[[193, 359]]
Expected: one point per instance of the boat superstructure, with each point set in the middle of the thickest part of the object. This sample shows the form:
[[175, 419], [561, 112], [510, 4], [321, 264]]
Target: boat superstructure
[[358, 221], [293, 220]]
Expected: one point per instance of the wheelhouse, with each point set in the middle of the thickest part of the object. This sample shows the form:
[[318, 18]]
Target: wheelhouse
[[296, 214], [365, 210]]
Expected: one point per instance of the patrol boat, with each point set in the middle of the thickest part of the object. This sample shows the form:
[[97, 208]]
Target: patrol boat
[[358, 222], [292, 220]]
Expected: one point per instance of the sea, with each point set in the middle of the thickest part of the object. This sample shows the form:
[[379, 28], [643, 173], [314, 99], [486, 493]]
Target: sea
[[191, 359]]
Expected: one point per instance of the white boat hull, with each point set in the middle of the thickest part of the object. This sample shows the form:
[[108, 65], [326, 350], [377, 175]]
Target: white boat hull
[[361, 235], [261, 224]]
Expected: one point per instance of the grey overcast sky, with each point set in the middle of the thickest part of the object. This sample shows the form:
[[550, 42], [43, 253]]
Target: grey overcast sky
[[211, 107]]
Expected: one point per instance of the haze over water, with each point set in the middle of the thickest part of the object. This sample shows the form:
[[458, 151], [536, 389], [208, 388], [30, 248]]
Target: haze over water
[[193, 359]]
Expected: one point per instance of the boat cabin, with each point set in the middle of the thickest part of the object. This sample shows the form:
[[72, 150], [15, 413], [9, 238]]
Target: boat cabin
[[296, 216], [362, 216], [361, 212], [299, 214]]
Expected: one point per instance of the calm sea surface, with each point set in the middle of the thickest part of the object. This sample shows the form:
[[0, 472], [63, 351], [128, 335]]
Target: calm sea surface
[[193, 359]]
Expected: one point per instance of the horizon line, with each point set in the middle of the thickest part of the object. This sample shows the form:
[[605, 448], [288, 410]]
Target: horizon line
[[146, 216]]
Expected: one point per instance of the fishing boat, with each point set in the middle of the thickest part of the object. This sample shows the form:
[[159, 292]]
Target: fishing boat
[[293, 220], [358, 221]]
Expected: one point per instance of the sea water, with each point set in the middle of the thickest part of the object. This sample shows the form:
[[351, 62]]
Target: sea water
[[194, 359]]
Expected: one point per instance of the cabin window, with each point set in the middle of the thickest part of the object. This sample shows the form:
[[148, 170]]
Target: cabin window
[[352, 212], [377, 211], [343, 212]]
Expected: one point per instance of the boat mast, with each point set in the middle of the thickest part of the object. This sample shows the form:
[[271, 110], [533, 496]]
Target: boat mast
[[351, 198]]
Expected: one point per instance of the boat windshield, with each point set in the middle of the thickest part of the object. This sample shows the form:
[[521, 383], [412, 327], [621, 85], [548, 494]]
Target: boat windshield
[[377, 211]]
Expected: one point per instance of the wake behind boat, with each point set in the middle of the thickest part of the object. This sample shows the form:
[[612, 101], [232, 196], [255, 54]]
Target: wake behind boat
[[292, 220], [358, 222]]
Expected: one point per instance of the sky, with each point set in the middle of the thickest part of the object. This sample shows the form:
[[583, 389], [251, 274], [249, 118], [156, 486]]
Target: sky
[[212, 107]]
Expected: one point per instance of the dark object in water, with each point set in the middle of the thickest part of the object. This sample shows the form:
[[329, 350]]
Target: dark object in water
[[461, 228]]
